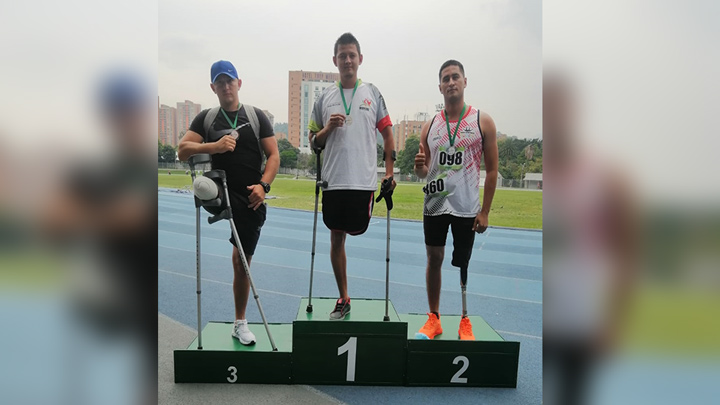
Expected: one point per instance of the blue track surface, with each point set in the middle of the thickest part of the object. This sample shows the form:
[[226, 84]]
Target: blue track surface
[[504, 285]]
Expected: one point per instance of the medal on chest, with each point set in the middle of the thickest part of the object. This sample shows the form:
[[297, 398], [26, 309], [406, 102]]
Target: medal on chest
[[348, 118]]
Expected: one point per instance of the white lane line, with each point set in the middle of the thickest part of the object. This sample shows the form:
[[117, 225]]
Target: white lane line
[[363, 278], [298, 296], [225, 283], [519, 334], [304, 251]]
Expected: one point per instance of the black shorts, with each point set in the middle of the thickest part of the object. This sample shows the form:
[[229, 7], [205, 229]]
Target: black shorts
[[248, 222], [436, 229], [347, 210]]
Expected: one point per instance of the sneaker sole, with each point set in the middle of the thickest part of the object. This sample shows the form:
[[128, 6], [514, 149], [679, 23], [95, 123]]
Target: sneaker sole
[[339, 319], [252, 342]]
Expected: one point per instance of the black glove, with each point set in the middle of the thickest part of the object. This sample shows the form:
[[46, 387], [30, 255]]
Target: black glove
[[386, 192]]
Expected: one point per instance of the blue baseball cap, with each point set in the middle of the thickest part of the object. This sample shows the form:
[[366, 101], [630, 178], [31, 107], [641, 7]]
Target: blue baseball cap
[[222, 67]]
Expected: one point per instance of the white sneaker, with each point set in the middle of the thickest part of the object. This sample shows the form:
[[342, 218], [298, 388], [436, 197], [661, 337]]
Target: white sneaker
[[242, 332]]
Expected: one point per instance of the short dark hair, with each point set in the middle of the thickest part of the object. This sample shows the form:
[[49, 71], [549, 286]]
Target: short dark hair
[[451, 62], [346, 39]]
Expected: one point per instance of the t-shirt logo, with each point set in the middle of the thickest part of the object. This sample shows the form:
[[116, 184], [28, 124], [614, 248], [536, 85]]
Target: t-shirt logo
[[365, 105]]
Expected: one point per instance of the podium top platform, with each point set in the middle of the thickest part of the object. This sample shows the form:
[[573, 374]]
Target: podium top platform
[[450, 325], [217, 337], [361, 310]]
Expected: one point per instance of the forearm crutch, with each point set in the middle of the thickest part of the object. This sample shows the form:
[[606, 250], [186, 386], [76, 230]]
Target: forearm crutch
[[318, 183], [386, 193]]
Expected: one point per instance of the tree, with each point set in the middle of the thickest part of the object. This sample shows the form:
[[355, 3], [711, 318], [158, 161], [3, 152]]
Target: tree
[[305, 161], [166, 153], [288, 158], [406, 158], [284, 145], [380, 150], [509, 148]]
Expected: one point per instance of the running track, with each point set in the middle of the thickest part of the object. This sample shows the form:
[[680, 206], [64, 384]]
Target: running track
[[504, 285]]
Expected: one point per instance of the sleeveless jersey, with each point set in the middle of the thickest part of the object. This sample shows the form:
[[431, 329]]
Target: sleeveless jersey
[[453, 181]]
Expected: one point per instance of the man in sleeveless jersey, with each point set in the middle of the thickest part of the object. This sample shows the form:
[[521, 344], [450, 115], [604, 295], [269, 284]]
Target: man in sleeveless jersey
[[344, 120], [452, 145], [234, 148]]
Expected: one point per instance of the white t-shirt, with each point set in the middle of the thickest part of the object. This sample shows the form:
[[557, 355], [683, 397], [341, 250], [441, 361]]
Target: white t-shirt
[[350, 155]]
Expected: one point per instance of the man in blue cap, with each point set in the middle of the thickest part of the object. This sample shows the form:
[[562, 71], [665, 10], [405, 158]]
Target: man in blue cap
[[234, 147]]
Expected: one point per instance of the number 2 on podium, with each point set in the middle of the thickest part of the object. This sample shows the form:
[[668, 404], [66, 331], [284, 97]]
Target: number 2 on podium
[[351, 348], [456, 378]]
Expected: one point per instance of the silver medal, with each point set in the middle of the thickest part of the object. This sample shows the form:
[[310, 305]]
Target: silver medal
[[451, 150], [348, 120], [234, 134]]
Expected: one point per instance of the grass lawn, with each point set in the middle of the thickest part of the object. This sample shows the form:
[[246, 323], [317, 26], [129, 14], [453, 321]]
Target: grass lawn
[[511, 208]]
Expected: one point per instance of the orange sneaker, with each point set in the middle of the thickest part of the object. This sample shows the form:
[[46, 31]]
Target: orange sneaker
[[431, 328], [465, 332]]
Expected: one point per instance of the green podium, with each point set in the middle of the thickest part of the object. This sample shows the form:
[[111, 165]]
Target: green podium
[[361, 349], [488, 361], [223, 359]]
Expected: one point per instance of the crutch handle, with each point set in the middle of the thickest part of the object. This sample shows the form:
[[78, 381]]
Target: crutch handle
[[225, 214], [199, 158], [386, 192]]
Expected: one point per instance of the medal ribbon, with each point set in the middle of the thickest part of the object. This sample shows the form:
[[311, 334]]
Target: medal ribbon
[[234, 125], [342, 93], [447, 122]]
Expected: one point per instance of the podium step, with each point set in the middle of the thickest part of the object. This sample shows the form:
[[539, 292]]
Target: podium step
[[223, 359], [361, 349], [488, 361]]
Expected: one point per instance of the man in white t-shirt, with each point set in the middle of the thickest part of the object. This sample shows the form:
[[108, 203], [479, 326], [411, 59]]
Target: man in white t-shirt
[[343, 122]]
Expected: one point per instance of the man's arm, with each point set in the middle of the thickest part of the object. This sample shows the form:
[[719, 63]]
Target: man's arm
[[336, 120], [257, 192], [192, 144], [389, 146], [490, 151], [423, 155]]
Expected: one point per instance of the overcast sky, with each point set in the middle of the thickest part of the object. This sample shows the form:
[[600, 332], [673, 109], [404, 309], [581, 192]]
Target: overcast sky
[[403, 44]]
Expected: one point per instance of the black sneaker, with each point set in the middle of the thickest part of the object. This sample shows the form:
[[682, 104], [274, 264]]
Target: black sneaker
[[342, 308]]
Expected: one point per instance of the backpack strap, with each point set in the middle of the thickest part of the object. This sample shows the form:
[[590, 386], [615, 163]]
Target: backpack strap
[[254, 123], [209, 119]]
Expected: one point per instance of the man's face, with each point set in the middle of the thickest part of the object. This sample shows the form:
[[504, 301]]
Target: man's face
[[347, 60], [226, 88], [452, 83]]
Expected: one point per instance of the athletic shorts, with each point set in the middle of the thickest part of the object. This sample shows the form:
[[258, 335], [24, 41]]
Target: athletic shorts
[[248, 222], [347, 210], [436, 229]]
